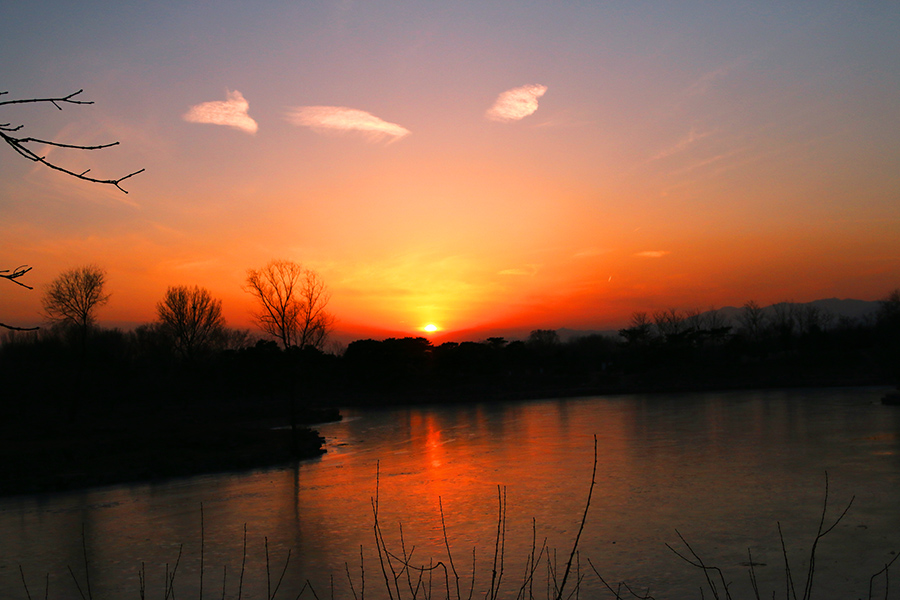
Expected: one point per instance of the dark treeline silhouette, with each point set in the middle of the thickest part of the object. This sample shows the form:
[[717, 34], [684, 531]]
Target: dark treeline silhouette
[[95, 405], [785, 344]]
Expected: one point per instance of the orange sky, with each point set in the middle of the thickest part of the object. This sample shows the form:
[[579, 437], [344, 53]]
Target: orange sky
[[513, 167]]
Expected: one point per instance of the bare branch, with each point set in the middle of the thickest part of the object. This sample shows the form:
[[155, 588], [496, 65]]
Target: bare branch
[[19, 144], [64, 99], [15, 274], [12, 328]]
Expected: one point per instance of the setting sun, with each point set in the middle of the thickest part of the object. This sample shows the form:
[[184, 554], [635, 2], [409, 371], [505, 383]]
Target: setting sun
[[440, 196]]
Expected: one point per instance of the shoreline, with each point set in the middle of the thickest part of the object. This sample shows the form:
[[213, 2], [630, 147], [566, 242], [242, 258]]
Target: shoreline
[[45, 457], [64, 455]]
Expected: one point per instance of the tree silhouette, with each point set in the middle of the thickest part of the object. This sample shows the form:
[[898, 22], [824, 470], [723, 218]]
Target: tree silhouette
[[74, 296], [640, 329], [293, 300], [191, 317], [753, 320]]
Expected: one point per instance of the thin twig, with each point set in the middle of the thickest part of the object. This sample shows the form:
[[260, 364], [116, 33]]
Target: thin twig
[[243, 564], [581, 528], [447, 545], [379, 539], [810, 572], [170, 580], [202, 540], [753, 581], [24, 584], [886, 578], [698, 562]]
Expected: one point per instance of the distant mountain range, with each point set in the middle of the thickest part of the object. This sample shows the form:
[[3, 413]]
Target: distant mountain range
[[850, 308], [837, 307]]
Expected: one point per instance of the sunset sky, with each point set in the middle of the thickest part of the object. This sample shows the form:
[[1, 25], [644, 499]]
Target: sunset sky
[[481, 166]]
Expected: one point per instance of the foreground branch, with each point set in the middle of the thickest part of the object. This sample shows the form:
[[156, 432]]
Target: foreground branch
[[19, 144]]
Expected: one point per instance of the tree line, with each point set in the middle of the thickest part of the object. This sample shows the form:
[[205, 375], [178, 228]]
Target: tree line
[[190, 354], [292, 308]]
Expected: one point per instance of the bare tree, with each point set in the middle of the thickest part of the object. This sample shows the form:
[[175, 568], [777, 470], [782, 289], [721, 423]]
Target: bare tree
[[714, 319], [543, 338], [784, 318], [10, 134], [192, 317], [669, 323], [293, 300], [640, 329], [693, 319], [73, 297], [753, 319], [889, 309], [716, 325]]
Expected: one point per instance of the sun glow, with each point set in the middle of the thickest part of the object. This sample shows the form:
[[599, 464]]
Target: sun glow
[[430, 328]]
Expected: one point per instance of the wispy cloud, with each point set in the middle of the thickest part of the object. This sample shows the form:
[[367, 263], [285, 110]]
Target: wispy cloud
[[517, 103], [652, 253], [692, 136], [232, 112], [341, 118]]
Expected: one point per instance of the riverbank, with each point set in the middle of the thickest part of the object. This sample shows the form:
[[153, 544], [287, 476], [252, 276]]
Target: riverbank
[[50, 453], [47, 452]]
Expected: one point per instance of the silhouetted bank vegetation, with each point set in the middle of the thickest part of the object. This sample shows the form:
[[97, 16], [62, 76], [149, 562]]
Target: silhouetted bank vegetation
[[87, 405]]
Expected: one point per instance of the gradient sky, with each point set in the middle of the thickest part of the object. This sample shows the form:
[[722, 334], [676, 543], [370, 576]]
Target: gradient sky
[[477, 165]]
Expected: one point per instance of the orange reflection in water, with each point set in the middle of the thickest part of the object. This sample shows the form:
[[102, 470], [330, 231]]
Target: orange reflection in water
[[433, 444]]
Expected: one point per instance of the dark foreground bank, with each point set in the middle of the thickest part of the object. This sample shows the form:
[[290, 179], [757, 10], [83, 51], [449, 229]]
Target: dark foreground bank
[[59, 452]]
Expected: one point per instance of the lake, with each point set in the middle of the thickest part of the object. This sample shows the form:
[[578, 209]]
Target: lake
[[720, 469]]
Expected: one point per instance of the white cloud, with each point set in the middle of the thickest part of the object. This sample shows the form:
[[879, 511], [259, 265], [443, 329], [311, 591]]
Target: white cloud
[[517, 103], [232, 112], [652, 253], [341, 118]]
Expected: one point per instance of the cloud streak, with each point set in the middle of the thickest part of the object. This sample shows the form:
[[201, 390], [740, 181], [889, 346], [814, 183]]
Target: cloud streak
[[340, 118], [232, 113], [652, 253], [688, 140], [516, 104]]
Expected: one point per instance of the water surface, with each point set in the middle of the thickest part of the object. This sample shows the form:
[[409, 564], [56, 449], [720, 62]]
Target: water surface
[[723, 469]]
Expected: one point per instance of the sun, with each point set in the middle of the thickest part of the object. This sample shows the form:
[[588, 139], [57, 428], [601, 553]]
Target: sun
[[430, 328]]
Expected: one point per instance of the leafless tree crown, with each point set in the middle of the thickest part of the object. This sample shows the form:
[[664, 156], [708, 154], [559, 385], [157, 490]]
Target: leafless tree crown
[[192, 317], [293, 302], [74, 296]]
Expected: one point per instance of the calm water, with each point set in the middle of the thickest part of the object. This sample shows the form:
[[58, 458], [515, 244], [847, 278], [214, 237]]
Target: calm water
[[721, 469]]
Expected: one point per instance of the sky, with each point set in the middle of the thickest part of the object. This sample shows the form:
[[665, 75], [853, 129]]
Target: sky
[[478, 166]]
